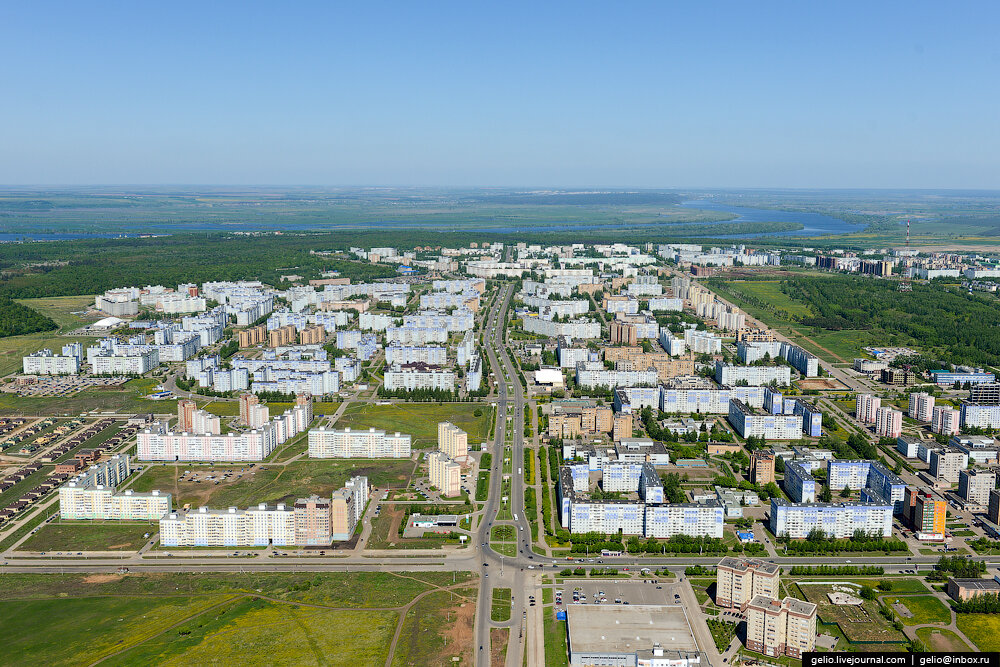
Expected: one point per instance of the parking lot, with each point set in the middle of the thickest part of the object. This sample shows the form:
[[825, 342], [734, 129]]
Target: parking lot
[[625, 592]]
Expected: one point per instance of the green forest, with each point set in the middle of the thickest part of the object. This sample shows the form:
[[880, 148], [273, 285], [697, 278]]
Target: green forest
[[17, 319], [961, 328], [92, 266]]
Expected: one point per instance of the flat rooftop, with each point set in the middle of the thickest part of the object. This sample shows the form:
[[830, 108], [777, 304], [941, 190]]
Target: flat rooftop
[[628, 628]]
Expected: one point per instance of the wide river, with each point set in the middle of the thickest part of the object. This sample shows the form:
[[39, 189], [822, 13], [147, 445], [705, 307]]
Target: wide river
[[814, 224]]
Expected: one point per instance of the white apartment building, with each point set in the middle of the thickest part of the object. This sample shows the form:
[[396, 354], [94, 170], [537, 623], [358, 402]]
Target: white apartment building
[[702, 342], [866, 406], [419, 376], [132, 363], [44, 362], [888, 422], [974, 486], [921, 406], [328, 443], [92, 495], [452, 440], [408, 354], [416, 335], [727, 374], [232, 527], [945, 420], [579, 328], [750, 422], [664, 303], [835, 519], [591, 374]]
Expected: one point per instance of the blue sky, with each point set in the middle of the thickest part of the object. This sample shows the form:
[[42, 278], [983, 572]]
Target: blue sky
[[700, 94]]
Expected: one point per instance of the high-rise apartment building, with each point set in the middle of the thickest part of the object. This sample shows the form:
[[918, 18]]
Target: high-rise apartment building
[[974, 486], [739, 580], [445, 474], [925, 512], [945, 420], [185, 416], [453, 441], [781, 627], [921, 406], [761, 467], [865, 407], [888, 423]]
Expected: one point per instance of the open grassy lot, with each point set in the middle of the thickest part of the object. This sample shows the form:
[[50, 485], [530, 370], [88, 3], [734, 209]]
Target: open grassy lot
[[556, 643], [941, 640], [251, 484], [983, 629], [250, 629], [925, 609], [89, 536], [420, 420], [176, 619], [124, 399], [437, 629], [62, 310], [13, 348]]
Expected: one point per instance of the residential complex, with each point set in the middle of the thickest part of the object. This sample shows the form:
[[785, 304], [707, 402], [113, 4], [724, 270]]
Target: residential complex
[[838, 520], [332, 443], [93, 495], [445, 474], [309, 521], [738, 581], [784, 627]]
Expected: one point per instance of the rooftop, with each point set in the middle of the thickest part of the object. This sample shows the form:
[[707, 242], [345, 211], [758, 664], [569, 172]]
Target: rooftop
[[627, 629]]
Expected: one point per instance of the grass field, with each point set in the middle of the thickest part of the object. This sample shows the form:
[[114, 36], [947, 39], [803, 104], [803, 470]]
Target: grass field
[[941, 640], [125, 399], [556, 649], [89, 536], [501, 605], [176, 619], [268, 483], [983, 629], [925, 609], [420, 420]]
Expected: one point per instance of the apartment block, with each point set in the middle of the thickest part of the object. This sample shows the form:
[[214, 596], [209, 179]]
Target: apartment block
[[947, 463], [925, 512], [753, 376], [888, 423], [750, 422], [865, 407], [740, 580], [445, 474], [92, 495], [799, 484], [837, 520], [778, 628], [253, 336], [45, 362], [761, 467], [453, 441], [623, 333], [330, 443], [945, 420], [313, 335], [921, 406], [974, 486], [281, 336]]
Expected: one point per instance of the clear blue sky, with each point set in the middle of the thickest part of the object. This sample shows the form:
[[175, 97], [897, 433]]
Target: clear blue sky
[[658, 94]]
